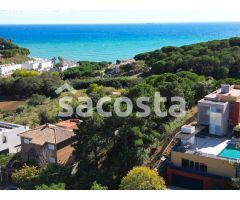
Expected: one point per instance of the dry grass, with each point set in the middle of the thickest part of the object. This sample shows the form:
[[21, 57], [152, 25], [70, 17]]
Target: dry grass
[[10, 105]]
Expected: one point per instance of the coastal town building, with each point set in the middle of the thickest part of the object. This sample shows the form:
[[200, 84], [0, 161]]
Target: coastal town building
[[9, 140], [8, 69], [49, 143], [65, 65], [38, 65], [206, 154]]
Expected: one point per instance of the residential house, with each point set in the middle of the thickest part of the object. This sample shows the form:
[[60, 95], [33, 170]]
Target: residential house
[[49, 143], [205, 153], [9, 140]]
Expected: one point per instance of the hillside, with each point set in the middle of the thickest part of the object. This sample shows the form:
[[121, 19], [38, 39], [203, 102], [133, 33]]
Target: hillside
[[219, 58], [12, 53]]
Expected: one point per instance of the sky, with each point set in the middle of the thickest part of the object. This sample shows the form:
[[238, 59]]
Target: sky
[[117, 11]]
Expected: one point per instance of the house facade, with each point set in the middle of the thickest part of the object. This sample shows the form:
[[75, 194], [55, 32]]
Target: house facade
[[206, 154], [38, 65], [48, 144], [8, 69], [9, 140]]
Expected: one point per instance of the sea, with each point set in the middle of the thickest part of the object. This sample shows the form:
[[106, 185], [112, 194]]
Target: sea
[[109, 42]]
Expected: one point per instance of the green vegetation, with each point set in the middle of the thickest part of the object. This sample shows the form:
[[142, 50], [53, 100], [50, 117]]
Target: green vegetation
[[26, 177], [50, 177], [25, 73], [236, 131], [86, 69], [4, 159], [53, 186], [118, 82], [142, 178], [43, 84], [97, 186], [130, 69], [108, 149], [12, 53], [53, 173], [219, 59]]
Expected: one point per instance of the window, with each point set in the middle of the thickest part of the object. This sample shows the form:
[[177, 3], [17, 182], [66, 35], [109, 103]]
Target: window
[[185, 163], [197, 166], [216, 110], [51, 147], [203, 167], [191, 165], [26, 141], [52, 160], [4, 139]]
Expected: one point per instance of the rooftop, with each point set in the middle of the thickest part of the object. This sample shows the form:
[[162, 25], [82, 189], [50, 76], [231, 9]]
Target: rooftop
[[209, 145], [48, 133], [70, 124], [5, 126], [225, 93]]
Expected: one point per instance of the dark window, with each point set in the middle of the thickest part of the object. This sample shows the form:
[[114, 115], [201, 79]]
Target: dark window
[[203, 167], [191, 164], [197, 166], [185, 163], [4, 139]]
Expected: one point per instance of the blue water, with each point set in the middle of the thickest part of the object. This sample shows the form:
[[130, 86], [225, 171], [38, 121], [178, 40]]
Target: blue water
[[111, 42], [230, 152]]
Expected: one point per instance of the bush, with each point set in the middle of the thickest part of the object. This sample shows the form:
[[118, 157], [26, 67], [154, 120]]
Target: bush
[[142, 178], [36, 99], [25, 73], [107, 82], [53, 173], [97, 186], [26, 177], [4, 159], [53, 186]]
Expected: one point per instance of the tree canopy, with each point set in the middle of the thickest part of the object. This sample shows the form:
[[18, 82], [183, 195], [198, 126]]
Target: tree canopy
[[142, 178], [219, 58]]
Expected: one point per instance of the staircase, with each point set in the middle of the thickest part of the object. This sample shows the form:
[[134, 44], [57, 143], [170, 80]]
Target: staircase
[[167, 151]]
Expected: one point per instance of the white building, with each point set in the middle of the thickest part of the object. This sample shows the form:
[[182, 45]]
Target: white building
[[8, 69], [38, 65], [9, 140], [66, 65]]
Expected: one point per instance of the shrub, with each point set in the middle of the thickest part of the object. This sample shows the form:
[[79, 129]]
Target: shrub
[[97, 186], [142, 178], [26, 177], [36, 99], [53, 173], [53, 186]]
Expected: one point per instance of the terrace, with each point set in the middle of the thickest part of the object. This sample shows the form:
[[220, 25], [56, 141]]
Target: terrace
[[202, 144]]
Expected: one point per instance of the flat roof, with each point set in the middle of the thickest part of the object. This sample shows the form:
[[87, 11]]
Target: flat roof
[[209, 145], [233, 92], [5, 126]]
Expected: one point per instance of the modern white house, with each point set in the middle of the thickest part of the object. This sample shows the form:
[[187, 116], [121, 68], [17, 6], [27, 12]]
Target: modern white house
[[8, 69], [9, 140]]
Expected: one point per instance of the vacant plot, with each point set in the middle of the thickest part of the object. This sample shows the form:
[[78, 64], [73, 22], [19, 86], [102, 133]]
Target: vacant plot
[[10, 105]]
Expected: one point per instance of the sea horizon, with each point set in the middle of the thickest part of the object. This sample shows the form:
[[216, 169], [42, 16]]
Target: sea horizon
[[109, 42]]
